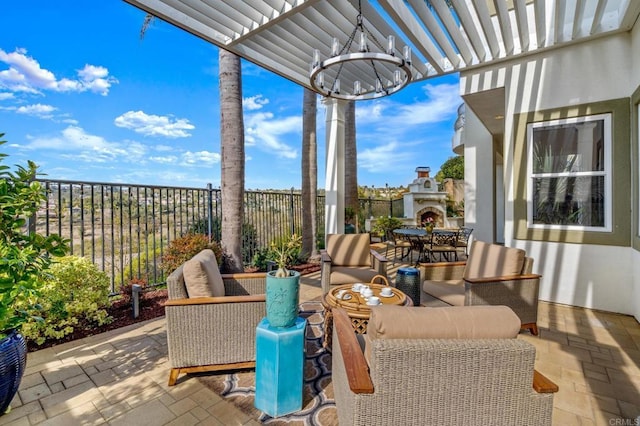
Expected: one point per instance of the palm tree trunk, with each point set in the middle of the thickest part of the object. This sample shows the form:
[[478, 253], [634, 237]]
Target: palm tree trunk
[[233, 161], [350, 160], [309, 174]]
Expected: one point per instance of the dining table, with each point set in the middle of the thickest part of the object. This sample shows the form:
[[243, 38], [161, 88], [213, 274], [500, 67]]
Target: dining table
[[442, 241]]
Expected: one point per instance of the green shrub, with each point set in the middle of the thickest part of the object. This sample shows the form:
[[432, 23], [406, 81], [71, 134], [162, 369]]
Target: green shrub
[[184, 248], [385, 225], [142, 267], [76, 294], [288, 248]]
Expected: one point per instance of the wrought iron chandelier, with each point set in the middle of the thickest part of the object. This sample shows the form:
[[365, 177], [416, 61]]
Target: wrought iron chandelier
[[374, 73]]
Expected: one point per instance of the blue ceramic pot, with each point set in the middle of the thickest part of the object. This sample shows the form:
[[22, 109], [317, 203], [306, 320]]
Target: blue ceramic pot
[[283, 299], [13, 359]]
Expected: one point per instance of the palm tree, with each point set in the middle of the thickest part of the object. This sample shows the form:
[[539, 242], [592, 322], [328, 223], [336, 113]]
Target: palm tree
[[233, 161], [309, 174], [350, 160]]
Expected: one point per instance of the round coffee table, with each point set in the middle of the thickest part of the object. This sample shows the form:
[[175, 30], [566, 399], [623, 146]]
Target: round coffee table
[[356, 307]]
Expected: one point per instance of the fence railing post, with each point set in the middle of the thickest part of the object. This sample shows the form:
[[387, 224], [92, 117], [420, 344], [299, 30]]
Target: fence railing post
[[210, 211], [291, 212]]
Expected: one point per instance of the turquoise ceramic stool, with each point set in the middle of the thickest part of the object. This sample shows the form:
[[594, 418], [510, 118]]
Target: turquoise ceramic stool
[[279, 367]]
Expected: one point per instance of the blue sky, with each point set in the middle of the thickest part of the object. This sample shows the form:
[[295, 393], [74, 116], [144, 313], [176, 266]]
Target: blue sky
[[86, 99]]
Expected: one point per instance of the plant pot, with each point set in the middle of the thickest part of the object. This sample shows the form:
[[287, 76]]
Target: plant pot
[[283, 299], [13, 359]]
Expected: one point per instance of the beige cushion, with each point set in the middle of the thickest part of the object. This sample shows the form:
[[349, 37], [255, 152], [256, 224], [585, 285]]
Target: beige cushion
[[349, 249], [202, 277], [454, 322], [492, 260], [449, 291], [351, 274]]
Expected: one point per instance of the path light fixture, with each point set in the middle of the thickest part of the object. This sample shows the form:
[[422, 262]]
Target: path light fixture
[[374, 69]]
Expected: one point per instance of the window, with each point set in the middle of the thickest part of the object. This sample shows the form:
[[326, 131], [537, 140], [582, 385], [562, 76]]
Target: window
[[570, 174]]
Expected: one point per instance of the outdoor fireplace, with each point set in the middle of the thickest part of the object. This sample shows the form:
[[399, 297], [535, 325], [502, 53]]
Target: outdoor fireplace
[[424, 201]]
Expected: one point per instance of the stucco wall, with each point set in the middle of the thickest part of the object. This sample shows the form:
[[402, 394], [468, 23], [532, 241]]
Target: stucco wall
[[594, 276]]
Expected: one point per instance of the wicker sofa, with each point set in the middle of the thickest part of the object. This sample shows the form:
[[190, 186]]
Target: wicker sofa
[[212, 317], [434, 366], [492, 275]]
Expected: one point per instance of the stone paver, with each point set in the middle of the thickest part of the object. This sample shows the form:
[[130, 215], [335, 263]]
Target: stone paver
[[120, 377]]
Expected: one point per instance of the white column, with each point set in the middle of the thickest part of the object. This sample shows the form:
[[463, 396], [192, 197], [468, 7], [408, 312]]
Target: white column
[[334, 173], [480, 185]]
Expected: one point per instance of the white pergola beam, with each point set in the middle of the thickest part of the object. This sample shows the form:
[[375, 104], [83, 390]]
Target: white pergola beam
[[407, 22], [520, 9], [578, 18], [505, 25], [541, 24], [435, 29], [470, 29], [446, 17], [482, 10], [596, 25]]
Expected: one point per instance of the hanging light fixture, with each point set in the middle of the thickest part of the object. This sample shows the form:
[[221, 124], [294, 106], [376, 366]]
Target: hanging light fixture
[[374, 73]]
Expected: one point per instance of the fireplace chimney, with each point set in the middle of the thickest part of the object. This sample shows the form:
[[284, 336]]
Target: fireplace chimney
[[423, 172]]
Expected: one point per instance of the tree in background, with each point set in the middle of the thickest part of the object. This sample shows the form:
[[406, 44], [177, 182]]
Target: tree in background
[[233, 161], [452, 168], [309, 191], [350, 160]]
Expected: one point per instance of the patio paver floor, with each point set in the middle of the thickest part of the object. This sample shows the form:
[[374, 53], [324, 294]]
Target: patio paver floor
[[120, 377]]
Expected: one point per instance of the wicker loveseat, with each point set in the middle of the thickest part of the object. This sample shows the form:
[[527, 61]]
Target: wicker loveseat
[[492, 275], [435, 366], [212, 318]]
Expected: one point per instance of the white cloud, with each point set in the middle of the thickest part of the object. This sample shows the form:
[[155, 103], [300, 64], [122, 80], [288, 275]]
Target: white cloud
[[6, 95], [266, 133], [77, 145], [154, 125], [254, 102], [169, 159], [441, 102], [200, 158], [383, 158], [38, 110], [25, 75]]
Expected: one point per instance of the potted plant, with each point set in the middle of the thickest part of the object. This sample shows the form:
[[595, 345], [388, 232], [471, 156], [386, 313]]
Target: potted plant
[[24, 260], [283, 285]]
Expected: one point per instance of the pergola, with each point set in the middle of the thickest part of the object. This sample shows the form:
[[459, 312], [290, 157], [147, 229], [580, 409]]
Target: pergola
[[446, 36]]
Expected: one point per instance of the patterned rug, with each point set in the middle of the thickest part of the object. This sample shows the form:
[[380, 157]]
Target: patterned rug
[[318, 407]]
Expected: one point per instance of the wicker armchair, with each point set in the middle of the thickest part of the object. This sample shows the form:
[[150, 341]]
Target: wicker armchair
[[213, 333], [492, 275], [349, 258], [436, 380]]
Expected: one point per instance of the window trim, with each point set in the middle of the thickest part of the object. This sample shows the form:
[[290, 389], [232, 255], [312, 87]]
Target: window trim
[[607, 173]]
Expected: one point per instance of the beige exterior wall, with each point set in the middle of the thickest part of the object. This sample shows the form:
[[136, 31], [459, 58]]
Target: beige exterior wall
[[577, 269]]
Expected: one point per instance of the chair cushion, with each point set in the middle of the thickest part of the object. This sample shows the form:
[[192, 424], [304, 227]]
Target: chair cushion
[[492, 260], [351, 274], [202, 277], [449, 291], [349, 249], [454, 322]]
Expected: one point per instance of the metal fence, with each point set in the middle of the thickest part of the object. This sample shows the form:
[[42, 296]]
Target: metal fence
[[126, 228]]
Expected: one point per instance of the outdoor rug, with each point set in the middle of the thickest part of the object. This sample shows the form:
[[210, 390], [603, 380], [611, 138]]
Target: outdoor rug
[[318, 406]]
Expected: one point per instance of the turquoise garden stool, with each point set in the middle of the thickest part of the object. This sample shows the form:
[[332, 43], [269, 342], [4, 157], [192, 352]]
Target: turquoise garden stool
[[279, 367]]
